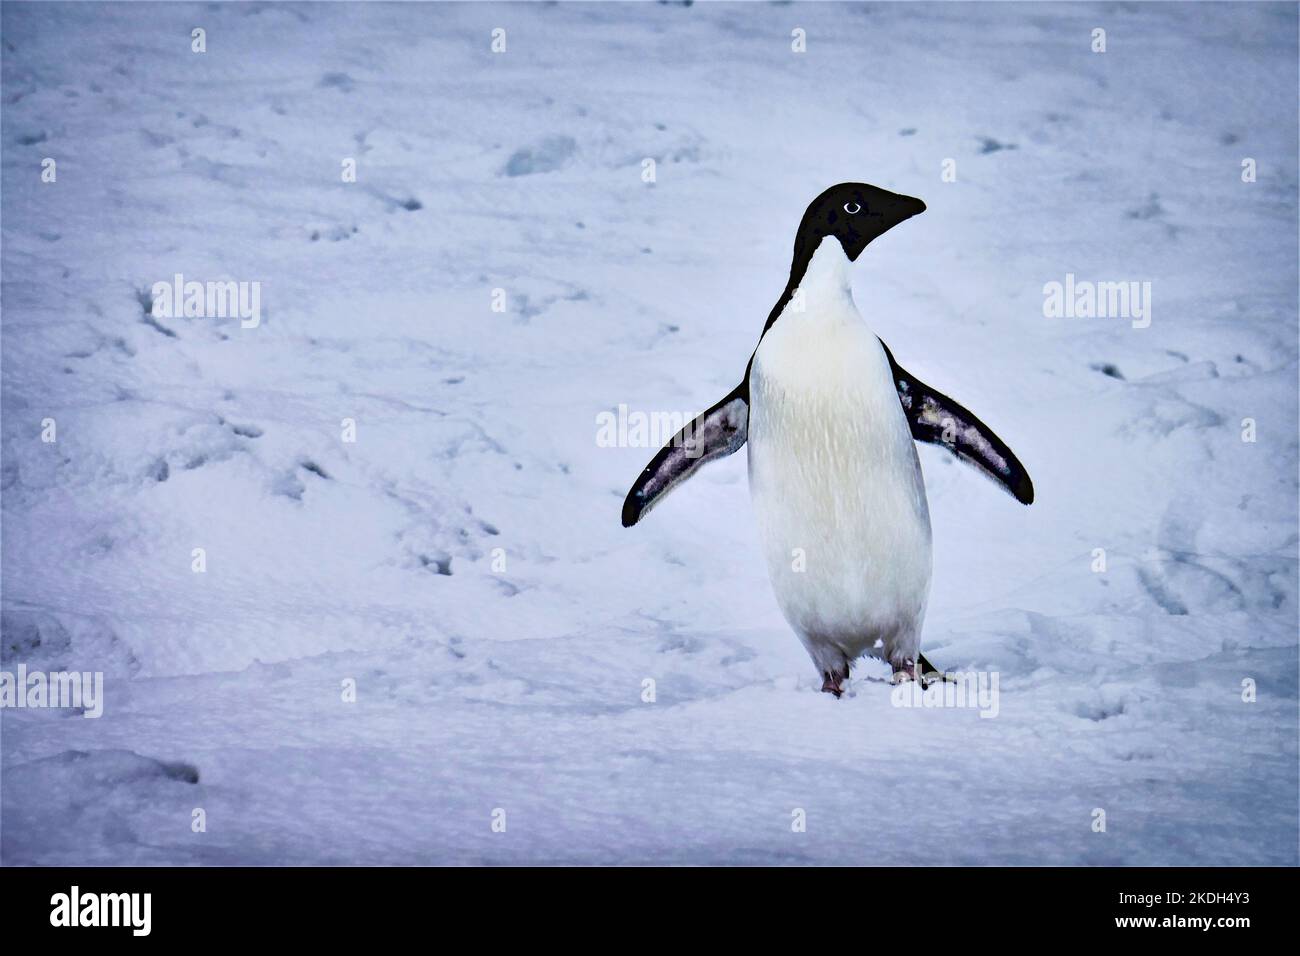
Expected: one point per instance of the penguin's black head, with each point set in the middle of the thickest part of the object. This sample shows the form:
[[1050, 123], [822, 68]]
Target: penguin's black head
[[854, 213]]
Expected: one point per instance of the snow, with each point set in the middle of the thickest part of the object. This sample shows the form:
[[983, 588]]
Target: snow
[[372, 561]]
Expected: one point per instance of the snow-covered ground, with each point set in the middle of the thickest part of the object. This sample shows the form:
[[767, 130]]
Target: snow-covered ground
[[462, 561]]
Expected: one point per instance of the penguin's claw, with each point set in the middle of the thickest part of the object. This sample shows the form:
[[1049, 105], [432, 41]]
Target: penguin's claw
[[933, 677], [904, 671], [930, 673], [833, 682]]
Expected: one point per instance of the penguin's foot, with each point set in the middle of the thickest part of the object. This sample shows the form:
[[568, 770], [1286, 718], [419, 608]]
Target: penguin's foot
[[930, 673], [904, 670], [833, 681]]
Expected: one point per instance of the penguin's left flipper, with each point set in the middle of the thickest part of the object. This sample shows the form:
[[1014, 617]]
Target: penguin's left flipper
[[937, 419], [717, 433]]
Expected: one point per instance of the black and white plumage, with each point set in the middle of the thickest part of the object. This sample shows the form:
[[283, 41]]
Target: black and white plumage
[[830, 418]]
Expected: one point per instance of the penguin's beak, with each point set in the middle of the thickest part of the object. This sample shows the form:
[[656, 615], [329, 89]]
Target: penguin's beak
[[911, 207]]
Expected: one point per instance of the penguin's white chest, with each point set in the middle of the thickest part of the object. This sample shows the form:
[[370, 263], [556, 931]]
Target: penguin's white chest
[[835, 478]]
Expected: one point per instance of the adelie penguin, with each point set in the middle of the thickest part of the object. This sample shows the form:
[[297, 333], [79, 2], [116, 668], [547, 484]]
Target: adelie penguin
[[830, 419]]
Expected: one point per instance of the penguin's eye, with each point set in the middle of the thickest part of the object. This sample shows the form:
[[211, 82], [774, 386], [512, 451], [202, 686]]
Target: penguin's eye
[[852, 208]]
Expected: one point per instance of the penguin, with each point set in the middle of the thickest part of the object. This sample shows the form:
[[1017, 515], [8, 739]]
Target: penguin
[[831, 420]]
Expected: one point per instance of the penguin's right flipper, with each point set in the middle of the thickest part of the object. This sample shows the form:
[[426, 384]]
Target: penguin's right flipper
[[717, 433]]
